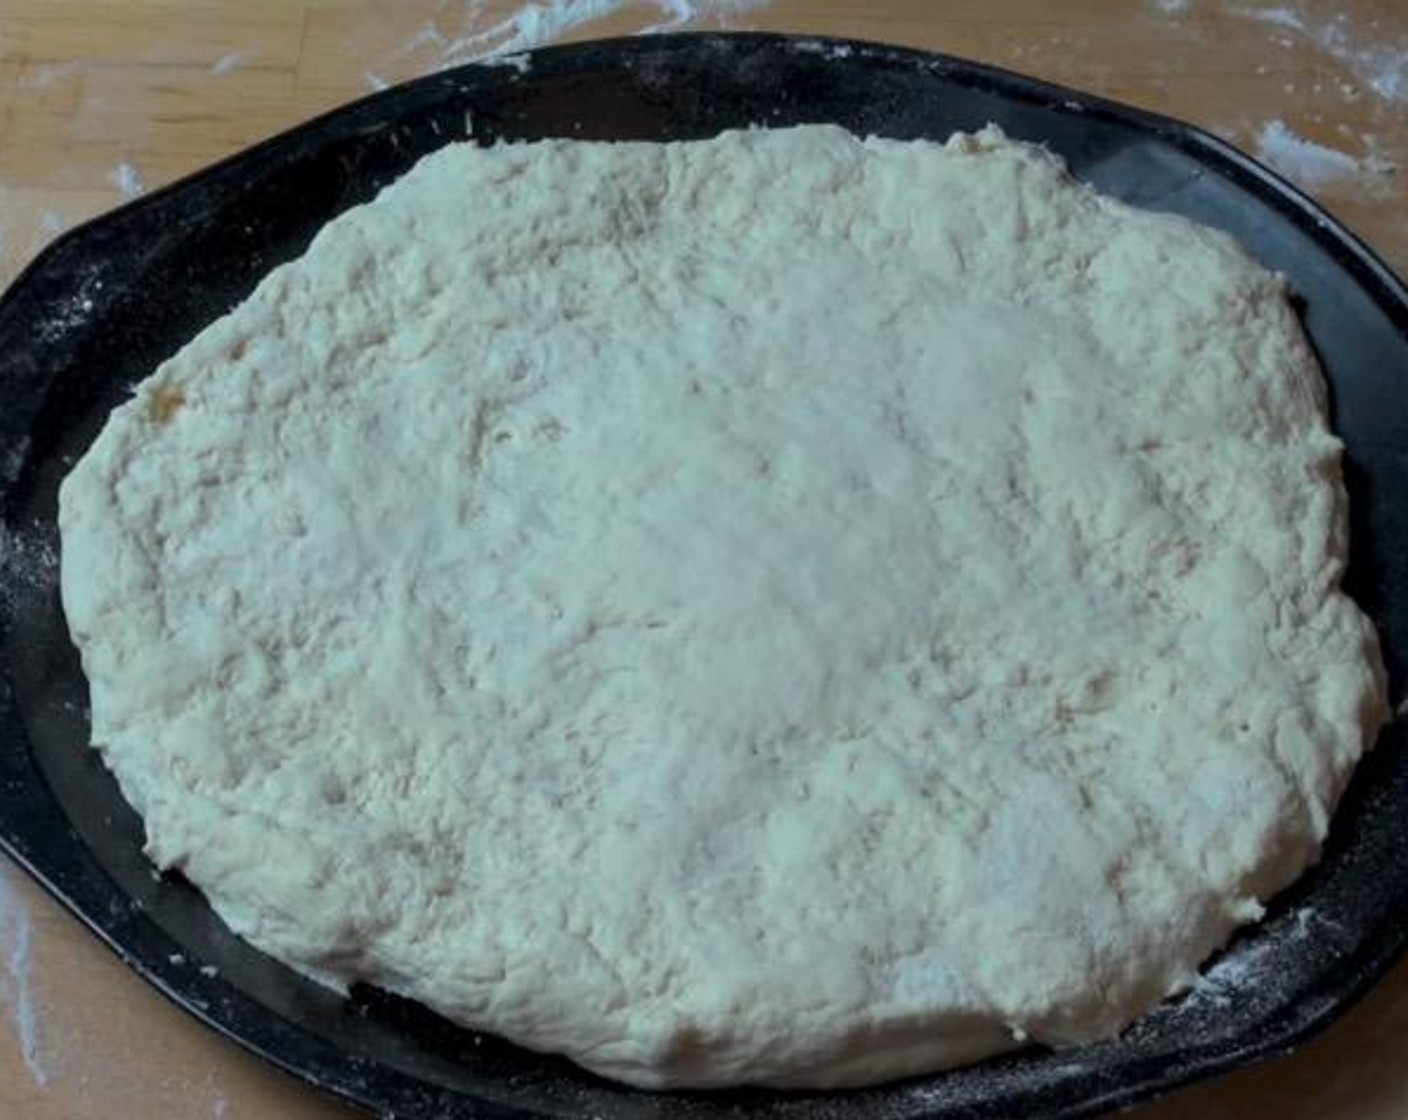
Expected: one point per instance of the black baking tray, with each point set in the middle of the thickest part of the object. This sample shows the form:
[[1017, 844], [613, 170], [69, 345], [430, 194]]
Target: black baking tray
[[105, 303]]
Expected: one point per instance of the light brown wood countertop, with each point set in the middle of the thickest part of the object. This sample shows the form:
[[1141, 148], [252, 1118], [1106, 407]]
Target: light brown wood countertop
[[101, 100]]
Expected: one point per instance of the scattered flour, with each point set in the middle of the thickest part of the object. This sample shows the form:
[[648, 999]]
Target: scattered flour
[[530, 26], [1317, 166], [1233, 970], [1223, 980], [27, 564], [823, 48], [682, 12], [11, 462], [41, 77], [230, 60], [1382, 66], [537, 24], [16, 986], [1280, 17], [427, 35], [519, 62], [1303, 161], [126, 179], [75, 308], [23, 564]]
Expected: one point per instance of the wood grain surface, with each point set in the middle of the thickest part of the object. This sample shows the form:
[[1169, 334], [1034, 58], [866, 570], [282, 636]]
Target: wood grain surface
[[102, 100]]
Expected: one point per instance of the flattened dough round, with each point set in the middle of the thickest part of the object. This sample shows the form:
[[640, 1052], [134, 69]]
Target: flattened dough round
[[780, 609]]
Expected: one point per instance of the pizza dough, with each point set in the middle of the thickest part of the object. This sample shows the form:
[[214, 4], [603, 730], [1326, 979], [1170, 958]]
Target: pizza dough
[[781, 609]]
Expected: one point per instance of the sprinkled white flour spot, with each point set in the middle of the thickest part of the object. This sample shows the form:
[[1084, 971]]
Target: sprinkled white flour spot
[[823, 48], [1279, 17], [1383, 66], [531, 26], [230, 60], [75, 308], [519, 62], [427, 35], [1305, 162], [537, 24], [16, 932], [126, 179], [1234, 969], [11, 460], [683, 12], [27, 563], [1317, 166], [41, 77]]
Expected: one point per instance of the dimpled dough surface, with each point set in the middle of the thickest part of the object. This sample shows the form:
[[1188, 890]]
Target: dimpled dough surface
[[780, 609]]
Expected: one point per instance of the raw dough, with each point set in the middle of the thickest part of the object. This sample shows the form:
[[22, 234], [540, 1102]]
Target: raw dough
[[781, 609]]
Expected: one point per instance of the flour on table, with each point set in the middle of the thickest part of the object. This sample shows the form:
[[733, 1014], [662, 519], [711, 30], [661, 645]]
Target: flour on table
[[16, 980], [780, 609], [1380, 62], [1304, 161], [534, 25], [127, 179], [227, 63], [1313, 166]]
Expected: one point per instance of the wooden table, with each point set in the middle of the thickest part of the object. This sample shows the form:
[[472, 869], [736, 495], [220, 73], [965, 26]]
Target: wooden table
[[99, 101]]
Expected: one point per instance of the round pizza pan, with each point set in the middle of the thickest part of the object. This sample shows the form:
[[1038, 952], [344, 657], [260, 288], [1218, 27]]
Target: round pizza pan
[[106, 302]]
